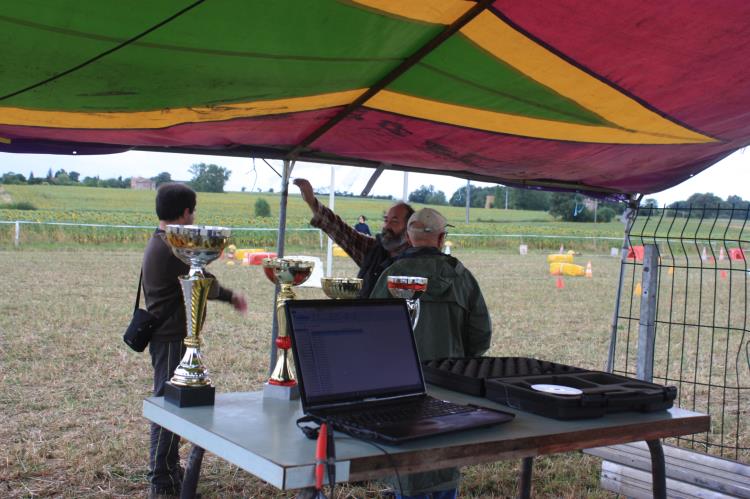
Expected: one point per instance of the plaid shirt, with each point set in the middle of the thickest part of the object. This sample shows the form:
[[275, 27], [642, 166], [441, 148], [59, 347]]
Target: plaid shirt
[[356, 244]]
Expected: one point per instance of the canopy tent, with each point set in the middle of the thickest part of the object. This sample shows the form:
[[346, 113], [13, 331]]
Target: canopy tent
[[608, 97]]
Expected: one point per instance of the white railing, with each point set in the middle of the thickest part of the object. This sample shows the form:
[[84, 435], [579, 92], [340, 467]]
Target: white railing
[[520, 237]]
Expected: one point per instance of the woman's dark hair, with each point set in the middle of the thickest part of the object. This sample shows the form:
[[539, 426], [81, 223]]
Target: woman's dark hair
[[172, 199]]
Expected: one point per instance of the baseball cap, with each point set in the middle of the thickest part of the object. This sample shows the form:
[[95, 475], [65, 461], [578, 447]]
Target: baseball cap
[[428, 220]]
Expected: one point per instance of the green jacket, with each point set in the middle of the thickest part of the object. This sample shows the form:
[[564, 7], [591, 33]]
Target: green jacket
[[453, 322]]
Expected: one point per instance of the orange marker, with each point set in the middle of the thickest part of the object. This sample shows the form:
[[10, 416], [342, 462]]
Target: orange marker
[[320, 456]]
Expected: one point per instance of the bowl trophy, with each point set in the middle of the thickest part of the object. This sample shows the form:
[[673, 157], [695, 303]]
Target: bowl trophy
[[340, 288], [410, 289], [197, 246], [287, 272]]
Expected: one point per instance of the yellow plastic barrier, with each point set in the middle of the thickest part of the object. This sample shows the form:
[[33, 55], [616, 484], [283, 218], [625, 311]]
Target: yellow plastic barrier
[[568, 269], [338, 251], [239, 254], [560, 258]]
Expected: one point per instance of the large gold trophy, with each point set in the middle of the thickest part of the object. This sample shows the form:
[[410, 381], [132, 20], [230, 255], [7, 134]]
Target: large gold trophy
[[197, 246], [410, 289], [341, 287], [287, 272]]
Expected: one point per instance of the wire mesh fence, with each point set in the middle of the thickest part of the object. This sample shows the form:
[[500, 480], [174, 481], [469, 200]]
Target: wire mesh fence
[[702, 343]]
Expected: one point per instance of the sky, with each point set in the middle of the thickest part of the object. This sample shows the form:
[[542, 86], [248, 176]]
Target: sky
[[730, 176]]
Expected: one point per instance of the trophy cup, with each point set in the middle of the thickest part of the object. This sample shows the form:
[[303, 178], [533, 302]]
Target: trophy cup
[[197, 246], [341, 287], [287, 272], [410, 289]]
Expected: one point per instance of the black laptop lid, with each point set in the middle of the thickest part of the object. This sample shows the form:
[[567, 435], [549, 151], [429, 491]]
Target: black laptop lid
[[350, 351]]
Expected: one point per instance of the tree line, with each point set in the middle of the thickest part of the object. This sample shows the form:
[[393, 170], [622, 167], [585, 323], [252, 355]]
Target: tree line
[[205, 178], [574, 207]]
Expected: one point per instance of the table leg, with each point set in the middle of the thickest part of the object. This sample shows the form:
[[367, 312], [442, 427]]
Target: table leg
[[524, 490], [192, 473], [658, 469]]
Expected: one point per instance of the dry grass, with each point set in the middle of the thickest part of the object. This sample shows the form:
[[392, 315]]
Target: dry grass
[[72, 391]]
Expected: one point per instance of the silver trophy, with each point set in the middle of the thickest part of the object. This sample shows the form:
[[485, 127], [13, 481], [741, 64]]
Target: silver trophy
[[197, 246], [410, 289]]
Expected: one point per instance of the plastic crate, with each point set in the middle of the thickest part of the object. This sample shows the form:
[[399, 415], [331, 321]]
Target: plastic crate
[[468, 374]]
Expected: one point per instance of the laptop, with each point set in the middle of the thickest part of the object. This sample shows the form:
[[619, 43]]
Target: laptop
[[358, 369]]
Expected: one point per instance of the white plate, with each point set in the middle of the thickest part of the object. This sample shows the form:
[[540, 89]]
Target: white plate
[[557, 389]]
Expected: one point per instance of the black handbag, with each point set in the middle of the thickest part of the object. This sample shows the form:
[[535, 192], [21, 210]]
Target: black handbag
[[143, 324]]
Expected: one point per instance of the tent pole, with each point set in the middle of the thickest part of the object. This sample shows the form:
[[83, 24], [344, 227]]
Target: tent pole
[[331, 204], [286, 173]]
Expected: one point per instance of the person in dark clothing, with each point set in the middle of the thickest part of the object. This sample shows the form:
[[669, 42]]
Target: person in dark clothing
[[371, 254], [175, 204], [362, 226]]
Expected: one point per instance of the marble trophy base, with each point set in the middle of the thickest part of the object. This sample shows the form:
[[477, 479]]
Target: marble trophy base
[[280, 392], [189, 396]]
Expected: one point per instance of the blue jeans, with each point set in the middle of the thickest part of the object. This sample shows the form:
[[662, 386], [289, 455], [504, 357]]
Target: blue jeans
[[442, 494]]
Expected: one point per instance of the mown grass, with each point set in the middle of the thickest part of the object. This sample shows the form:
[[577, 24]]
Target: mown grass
[[72, 391]]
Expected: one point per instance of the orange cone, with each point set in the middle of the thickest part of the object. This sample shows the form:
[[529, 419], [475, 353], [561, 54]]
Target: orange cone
[[560, 284], [589, 272], [670, 271], [637, 291], [723, 274]]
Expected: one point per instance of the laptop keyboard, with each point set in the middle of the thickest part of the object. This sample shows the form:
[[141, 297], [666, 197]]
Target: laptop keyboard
[[403, 413]]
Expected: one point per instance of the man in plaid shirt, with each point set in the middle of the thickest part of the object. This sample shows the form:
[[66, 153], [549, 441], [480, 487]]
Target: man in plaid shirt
[[371, 254]]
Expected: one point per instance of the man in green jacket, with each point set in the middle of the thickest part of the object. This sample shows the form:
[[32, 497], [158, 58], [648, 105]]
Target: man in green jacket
[[453, 321]]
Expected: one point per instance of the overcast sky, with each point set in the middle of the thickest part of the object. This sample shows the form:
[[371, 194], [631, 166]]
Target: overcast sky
[[730, 176]]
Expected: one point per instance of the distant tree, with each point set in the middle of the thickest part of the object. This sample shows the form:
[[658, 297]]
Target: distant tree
[[569, 207], [605, 215], [91, 181], [528, 199], [74, 176], [12, 178], [650, 202], [262, 209], [162, 178], [209, 178], [478, 196], [427, 195]]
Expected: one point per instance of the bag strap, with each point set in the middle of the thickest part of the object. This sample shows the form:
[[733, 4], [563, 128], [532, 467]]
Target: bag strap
[[174, 306], [138, 294]]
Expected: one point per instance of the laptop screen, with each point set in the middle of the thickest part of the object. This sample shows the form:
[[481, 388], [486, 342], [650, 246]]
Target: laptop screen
[[350, 350]]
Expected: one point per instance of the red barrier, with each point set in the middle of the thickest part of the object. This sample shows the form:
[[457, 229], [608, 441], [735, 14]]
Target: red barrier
[[635, 252], [257, 258], [736, 254]]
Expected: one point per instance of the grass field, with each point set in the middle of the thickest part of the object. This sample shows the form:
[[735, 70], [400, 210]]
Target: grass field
[[72, 391], [128, 207]]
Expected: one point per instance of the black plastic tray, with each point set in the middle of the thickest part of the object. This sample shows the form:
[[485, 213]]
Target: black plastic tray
[[602, 393], [468, 374]]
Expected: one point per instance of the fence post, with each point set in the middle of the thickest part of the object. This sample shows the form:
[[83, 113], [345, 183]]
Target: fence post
[[17, 240], [647, 322]]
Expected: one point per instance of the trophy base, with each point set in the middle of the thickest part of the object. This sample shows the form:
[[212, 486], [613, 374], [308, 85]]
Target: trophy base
[[189, 396], [279, 392]]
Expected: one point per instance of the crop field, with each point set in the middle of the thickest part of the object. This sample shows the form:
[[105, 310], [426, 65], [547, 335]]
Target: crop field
[[85, 205], [72, 391]]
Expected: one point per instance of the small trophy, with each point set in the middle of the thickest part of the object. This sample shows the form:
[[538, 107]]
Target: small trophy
[[410, 289], [197, 246], [287, 272], [341, 287]]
